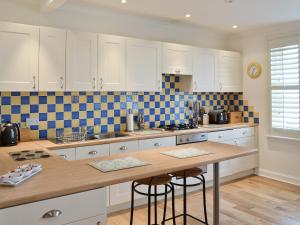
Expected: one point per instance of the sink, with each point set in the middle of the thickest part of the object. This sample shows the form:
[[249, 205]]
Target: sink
[[106, 136]]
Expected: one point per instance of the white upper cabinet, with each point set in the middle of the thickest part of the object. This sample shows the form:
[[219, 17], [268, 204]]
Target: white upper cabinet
[[205, 65], [52, 60], [81, 64], [143, 65], [19, 46], [177, 59], [229, 75], [111, 63]]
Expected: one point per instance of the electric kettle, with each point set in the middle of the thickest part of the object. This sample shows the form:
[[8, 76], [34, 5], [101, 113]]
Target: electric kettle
[[9, 134]]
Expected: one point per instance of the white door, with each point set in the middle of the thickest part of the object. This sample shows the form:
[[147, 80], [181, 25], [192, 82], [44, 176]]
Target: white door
[[52, 60], [81, 65], [229, 72], [177, 59], [111, 63], [19, 46], [121, 193], [204, 70], [143, 65]]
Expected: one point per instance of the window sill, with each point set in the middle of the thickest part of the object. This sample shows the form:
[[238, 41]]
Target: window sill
[[288, 140]]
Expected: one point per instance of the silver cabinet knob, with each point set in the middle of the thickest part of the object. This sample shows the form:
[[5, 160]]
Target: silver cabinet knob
[[101, 83], [188, 139], [94, 83], [34, 83], [52, 213], [244, 133], [64, 156], [61, 80], [93, 153], [123, 148], [157, 144], [220, 137]]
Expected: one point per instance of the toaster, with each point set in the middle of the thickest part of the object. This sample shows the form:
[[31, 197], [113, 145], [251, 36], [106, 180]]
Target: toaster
[[218, 117]]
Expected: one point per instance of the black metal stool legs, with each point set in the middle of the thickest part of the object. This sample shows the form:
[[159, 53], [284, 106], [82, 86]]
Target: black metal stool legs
[[204, 200], [132, 203], [184, 202]]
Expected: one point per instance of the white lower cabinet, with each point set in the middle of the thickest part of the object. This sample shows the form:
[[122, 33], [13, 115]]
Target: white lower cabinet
[[157, 143], [121, 193], [97, 220], [58, 211], [88, 152], [68, 154]]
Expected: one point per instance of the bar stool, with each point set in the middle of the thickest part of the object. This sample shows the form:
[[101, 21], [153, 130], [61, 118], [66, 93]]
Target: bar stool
[[154, 182], [196, 173]]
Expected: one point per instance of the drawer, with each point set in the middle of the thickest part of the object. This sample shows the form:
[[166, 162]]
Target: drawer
[[97, 220], [157, 143], [220, 136], [124, 147], [70, 208], [92, 151], [244, 132], [68, 154]]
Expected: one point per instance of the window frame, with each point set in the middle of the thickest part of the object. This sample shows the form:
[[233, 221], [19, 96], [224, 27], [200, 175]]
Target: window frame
[[277, 43]]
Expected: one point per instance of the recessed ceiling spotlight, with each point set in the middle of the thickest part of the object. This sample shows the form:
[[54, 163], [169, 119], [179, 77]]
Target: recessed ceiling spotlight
[[188, 15], [123, 1], [235, 26]]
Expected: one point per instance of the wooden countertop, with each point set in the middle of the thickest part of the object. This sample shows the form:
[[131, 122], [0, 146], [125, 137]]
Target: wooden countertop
[[60, 177], [136, 136]]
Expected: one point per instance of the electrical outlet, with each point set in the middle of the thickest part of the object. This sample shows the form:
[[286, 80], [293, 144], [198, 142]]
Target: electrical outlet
[[32, 121]]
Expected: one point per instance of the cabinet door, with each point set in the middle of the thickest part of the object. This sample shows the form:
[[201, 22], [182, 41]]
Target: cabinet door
[[97, 220], [177, 59], [68, 154], [246, 162], [81, 65], [150, 144], [121, 193], [111, 63], [52, 60], [19, 46], [143, 65], [204, 71], [88, 152], [230, 72]]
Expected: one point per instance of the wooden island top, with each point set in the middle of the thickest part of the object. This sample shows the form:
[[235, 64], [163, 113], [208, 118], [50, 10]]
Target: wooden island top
[[60, 177]]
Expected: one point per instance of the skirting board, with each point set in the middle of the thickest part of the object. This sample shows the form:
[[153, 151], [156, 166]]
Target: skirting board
[[279, 176], [143, 201]]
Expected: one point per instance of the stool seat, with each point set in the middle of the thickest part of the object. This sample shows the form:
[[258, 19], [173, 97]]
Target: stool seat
[[194, 172], [157, 180]]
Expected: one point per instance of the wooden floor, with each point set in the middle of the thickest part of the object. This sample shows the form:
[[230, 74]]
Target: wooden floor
[[250, 201]]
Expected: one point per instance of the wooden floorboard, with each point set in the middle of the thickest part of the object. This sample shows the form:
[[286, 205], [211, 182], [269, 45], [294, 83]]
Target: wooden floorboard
[[250, 201]]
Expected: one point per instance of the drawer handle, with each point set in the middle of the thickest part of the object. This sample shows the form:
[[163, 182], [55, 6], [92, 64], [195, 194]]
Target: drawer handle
[[93, 153], [244, 132], [64, 156], [52, 214], [157, 144], [123, 148], [220, 136]]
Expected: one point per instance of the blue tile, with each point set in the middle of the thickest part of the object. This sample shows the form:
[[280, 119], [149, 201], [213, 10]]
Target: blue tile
[[15, 93], [123, 119], [5, 118], [24, 117], [75, 99], [110, 105], [90, 114], [82, 122], [111, 120], [96, 106], [25, 100], [35, 127], [103, 98], [90, 99], [67, 123], [59, 99], [146, 105], [251, 114], [97, 121], [117, 112], [141, 98], [104, 113], [256, 120], [34, 108], [157, 117], [82, 107], [246, 120], [42, 99], [157, 104], [15, 109], [104, 129], [5, 100], [59, 116], [75, 115], [67, 107], [43, 134], [117, 127], [43, 117], [50, 93], [162, 111], [152, 111], [117, 98], [51, 124], [51, 107]]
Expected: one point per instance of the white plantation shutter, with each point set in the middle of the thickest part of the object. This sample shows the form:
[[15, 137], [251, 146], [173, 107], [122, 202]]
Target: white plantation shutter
[[284, 67]]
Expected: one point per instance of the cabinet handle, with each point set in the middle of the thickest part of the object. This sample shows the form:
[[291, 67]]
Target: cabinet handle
[[93, 153], [52, 213], [195, 86], [123, 148], [158, 84], [94, 83], [101, 83], [61, 82], [219, 136], [34, 84], [157, 144], [177, 71], [64, 156], [244, 132]]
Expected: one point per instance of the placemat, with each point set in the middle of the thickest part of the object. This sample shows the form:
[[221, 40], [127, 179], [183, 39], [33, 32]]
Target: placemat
[[117, 164], [186, 153]]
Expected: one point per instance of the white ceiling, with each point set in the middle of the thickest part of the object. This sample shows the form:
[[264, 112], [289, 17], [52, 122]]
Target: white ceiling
[[215, 14]]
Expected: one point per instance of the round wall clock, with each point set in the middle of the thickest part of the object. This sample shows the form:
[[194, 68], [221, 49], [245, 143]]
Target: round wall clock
[[254, 70]]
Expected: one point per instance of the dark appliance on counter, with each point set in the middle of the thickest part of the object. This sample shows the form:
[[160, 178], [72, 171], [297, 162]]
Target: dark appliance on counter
[[9, 134], [218, 116]]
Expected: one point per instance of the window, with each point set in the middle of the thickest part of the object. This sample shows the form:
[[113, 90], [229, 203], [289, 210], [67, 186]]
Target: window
[[285, 100]]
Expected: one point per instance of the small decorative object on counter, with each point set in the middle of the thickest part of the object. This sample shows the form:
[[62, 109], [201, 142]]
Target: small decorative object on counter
[[22, 173], [235, 117], [205, 119], [130, 121]]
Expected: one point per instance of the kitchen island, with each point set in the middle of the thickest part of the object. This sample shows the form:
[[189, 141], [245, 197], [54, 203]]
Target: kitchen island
[[62, 178]]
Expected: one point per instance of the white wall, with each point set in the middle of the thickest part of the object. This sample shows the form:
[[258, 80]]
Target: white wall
[[107, 21], [278, 159]]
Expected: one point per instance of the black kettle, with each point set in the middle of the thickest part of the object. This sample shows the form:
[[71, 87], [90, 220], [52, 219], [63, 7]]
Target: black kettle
[[9, 134]]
